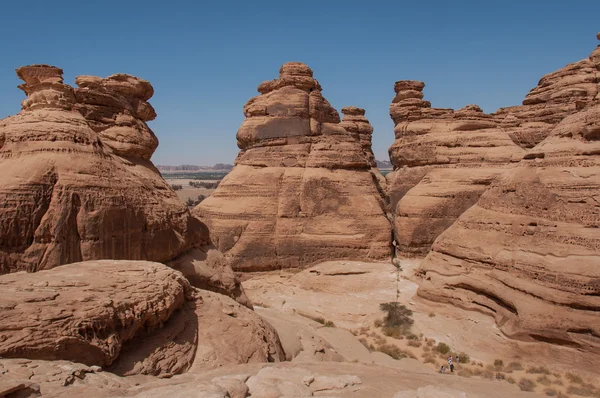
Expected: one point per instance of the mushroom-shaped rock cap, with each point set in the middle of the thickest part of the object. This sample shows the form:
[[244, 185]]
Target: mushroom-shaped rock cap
[[402, 85], [353, 110], [127, 85], [598, 35], [295, 69], [34, 74]]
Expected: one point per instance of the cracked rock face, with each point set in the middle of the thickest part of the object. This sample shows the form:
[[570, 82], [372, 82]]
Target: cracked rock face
[[444, 160], [301, 191], [77, 188]]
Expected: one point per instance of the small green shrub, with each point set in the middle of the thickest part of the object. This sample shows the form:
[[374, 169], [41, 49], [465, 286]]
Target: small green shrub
[[443, 348], [329, 324], [464, 358], [526, 385], [498, 364], [551, 392], [500, 376]]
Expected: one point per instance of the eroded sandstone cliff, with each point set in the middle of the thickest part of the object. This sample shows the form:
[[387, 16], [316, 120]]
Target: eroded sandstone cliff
[[444, 160], [528, 252], [76, 188], [301, 190]]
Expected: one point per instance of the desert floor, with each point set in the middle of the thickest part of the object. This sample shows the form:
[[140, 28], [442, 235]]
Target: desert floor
[[333, 307]]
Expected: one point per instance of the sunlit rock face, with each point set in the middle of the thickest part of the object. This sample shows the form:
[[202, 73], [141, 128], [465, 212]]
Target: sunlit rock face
[[444, 160], [301, 190], [73, 192]]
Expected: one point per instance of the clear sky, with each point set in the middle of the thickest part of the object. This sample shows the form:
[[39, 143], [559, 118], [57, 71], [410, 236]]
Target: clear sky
[[206, 58]]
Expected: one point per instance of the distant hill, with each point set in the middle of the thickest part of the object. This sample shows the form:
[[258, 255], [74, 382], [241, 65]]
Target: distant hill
[[384, 164], [191, 167]]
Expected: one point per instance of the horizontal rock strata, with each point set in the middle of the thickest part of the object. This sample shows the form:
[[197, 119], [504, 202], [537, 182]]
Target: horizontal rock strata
[[76, 182], [528, 252], [301, 191], [444, 160]]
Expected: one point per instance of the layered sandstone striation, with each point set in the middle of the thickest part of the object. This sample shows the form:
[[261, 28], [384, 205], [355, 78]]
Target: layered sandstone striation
[[76, 180], [131, 317], [444, 160], [528, 252], [301, 190]]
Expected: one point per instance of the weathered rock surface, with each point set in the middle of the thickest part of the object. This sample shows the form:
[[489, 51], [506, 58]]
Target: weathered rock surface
[[117, 108], [207, 269], [85, 312], [528, 252], [301, 190], [355, 122], [72, 192], [444, 160], [136, 317]]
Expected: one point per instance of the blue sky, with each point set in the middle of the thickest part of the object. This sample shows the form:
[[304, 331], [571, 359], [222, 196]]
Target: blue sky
[[206, 58]]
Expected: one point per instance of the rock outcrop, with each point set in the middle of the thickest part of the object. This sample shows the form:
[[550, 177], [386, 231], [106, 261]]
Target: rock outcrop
[[85, 312], [131, 317], [444, 160], [80, 188], [355, 122], [528, 252], [301, 190]]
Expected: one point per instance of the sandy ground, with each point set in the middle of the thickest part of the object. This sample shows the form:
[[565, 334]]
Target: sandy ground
[[347, 295]]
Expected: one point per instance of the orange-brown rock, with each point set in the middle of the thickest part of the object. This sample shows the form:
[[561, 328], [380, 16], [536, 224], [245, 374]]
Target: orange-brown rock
[[71, 192], [528, 253], [133, 317], [444, 160], [116, 108], [355, 122], [85, 312], [301, 190]]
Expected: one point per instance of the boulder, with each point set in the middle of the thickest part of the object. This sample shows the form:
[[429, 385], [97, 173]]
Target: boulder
[[132, 317]]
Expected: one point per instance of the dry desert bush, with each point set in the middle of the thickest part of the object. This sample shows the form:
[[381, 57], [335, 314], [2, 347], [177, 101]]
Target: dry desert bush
[[513, 366], [526, 384], [394, 351], [538, 370]]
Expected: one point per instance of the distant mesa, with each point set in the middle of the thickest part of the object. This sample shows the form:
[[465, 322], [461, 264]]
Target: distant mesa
[[302, 189], [190, 167]]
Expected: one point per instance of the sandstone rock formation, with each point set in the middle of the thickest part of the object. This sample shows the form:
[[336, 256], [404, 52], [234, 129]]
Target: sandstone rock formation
[[528, 252], [444, 159], [301, 190], [72, 192], [136, 317], [355, 122]]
